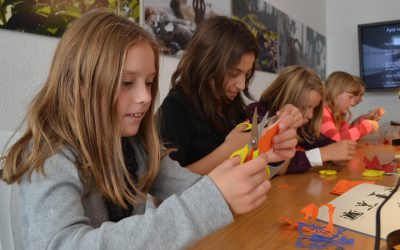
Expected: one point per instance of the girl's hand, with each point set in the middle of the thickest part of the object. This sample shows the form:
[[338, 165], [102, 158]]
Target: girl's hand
[[283, 145], [374, 125], [245, 186], [290, 117], [376, 114], [237, 138], [340, 151]]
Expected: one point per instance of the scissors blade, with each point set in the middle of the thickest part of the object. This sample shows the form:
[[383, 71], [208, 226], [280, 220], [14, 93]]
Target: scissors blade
[[261, 125], [272, 120], [254, 131]]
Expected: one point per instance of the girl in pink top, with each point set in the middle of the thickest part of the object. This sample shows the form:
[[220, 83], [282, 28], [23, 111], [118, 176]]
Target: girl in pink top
[[341, 92]]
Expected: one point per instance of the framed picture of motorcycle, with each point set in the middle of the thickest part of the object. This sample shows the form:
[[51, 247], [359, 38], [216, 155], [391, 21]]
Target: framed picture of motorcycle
[[53, 17], [173, 22]]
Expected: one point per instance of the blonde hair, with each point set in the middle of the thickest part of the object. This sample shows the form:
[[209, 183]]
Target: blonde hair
[[292, 86], [362, 85], [77, 109], [337, 83]]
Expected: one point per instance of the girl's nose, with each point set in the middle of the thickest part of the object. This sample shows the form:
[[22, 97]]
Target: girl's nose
[[143, 94], [241, 83], [309, 114]]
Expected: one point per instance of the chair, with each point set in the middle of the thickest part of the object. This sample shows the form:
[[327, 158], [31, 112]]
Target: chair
[[6, 238]]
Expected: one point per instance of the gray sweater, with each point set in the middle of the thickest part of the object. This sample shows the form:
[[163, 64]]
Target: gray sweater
[[53, 212]]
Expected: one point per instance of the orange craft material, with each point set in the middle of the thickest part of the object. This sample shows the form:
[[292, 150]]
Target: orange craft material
[[265, 142], [344, 185], [311, 212]]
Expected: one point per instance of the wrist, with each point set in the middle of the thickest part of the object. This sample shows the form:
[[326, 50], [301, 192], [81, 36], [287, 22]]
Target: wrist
[[325, 154]]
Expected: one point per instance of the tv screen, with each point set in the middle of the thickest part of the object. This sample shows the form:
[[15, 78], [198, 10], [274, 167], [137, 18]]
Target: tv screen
[[379, 47]]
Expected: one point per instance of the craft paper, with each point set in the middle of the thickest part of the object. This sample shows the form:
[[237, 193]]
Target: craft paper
[[356, 209]]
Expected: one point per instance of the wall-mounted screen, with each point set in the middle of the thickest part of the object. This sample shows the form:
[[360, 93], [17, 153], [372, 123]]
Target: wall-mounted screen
[[379, 52]]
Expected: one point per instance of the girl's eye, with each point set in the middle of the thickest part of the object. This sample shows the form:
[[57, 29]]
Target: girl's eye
[[127, 83], [149, 84], [233, 73]]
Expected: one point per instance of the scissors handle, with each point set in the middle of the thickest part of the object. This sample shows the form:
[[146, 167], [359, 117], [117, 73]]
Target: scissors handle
[[242, 152], [253, 154], [248, 128], [245, 153], [245, 156]]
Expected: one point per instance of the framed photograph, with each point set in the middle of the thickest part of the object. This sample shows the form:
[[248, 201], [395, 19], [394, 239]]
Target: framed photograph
[[173, 22], [262, 19], [53, 17]]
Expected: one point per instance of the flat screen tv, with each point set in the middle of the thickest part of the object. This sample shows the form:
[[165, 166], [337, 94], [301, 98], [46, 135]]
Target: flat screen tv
[[379, 53]]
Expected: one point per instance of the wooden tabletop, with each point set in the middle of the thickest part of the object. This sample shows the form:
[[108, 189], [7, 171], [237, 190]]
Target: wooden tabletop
[[262, 228]]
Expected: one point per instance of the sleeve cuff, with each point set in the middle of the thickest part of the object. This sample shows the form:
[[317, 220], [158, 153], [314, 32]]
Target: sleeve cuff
[[314, 157]]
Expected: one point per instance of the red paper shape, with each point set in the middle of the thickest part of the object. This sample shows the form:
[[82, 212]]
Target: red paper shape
[[373, 164]]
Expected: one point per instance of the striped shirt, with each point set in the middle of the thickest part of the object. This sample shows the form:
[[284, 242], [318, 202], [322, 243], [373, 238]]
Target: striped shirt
[[346, 131]]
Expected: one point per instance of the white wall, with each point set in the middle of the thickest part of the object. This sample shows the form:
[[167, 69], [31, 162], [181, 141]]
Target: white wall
[[25, 61], [342, 18]]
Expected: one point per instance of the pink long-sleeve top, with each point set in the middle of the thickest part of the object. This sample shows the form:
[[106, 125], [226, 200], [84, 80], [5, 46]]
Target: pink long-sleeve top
[[346, 131]]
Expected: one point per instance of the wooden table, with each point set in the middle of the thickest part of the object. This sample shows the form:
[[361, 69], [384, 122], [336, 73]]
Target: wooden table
[[262, 228]]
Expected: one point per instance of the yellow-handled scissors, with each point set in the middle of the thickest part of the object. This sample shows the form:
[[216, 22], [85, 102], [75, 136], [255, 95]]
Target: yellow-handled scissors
[[250, 150]]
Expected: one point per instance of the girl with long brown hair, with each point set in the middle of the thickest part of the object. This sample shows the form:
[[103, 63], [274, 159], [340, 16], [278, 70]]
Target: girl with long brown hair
[[200, 113], [89, 171]]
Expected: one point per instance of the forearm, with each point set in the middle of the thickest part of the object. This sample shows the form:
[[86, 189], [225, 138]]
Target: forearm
[[213, 159], [284, 167]]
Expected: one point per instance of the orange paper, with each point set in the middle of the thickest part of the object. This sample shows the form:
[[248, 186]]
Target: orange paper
[[344, 185], [265, 142], [331, 208], [311, 213]]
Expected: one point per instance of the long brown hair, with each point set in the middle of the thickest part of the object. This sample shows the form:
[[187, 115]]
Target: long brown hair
[[337, 83], [216, 47], [292, 86], [77, 109]]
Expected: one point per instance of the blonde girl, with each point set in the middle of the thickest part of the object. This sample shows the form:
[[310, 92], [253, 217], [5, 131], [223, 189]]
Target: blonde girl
[[375, 114], [89, 170], [342, 90], [303, 88]]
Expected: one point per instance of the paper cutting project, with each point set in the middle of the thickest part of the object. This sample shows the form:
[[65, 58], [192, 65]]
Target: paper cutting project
[[265, 142], [356, 209], [375, 164], [316, 237]]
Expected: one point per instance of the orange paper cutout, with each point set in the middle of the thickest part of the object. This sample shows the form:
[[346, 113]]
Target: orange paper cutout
[[294, 224], [331, 208], [344, 185], [265, 142], [311, 212]]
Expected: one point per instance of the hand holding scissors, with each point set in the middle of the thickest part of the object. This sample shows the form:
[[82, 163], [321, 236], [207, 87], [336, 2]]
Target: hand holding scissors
[[258, 142]]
